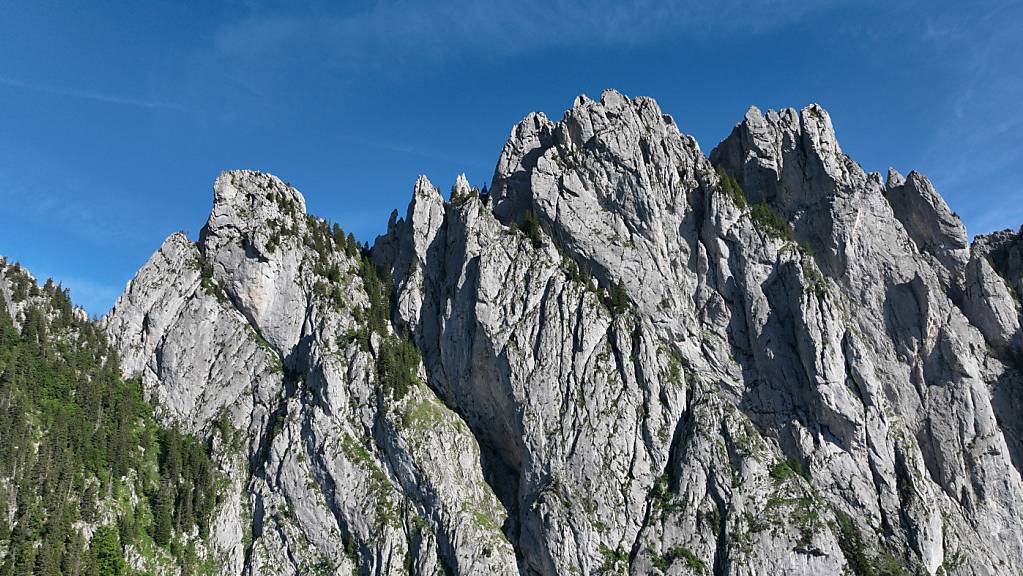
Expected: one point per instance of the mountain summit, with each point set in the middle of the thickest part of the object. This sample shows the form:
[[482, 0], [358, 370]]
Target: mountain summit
[[628, 357]]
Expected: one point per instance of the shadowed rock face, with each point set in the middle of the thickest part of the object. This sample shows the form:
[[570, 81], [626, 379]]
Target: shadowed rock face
[[626, 364]]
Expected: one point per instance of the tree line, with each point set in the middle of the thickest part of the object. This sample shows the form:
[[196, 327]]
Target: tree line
[[77, 441]]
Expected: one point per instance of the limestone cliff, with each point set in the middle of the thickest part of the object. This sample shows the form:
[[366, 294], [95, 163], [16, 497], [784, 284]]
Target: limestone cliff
[[629, 358]]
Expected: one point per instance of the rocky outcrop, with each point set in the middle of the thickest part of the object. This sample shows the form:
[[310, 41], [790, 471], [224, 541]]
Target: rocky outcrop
[[932, 226], [909, 354], [629, 357], [11, 281], [257, 337], [994, 282]]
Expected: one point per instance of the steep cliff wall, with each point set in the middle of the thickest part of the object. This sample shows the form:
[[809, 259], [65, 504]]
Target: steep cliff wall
[[630, 357]]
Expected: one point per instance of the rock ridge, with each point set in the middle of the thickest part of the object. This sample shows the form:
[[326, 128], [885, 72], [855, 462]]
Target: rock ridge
[[628, 357]]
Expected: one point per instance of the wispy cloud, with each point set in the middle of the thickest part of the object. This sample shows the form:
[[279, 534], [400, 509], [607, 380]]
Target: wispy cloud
[[402, 36], [256, 58], [104, 97]]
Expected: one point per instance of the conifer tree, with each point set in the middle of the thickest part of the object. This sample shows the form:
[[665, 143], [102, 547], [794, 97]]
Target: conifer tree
[[106, 556]]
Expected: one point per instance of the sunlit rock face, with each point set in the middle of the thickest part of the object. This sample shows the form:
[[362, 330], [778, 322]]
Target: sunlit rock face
[[628, 357]]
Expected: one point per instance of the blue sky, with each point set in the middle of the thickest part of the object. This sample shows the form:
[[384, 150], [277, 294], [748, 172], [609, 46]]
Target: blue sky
[[116, 117]]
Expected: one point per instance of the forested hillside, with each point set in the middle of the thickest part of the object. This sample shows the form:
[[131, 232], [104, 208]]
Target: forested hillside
[[89, 483]]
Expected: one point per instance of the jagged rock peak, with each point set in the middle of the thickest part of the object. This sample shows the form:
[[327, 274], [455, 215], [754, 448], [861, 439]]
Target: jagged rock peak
[[894, 179], [423, 218], [15, 288], [928, 220], [817, 122], [244, 200], [1009, 241], [794, 162], [425, 188], [461, 186], [993, 284], [20, 290], [252, 244], [760, 146], [235, 185], [587, 117], [629, 131], [271, 337]]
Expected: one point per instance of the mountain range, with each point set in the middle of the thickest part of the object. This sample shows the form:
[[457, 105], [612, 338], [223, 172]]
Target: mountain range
[[625, 357]]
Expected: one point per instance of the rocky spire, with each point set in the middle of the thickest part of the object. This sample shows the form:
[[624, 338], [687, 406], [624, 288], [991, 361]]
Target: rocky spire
[[928, 220]]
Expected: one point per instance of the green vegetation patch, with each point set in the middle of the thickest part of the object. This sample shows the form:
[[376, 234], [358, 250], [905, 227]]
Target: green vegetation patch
[[783, 470], [815, 283], [661, 497], [615, 560], [427, 414], [397, 366], [530, 226], [75, 440], [664, 561], [380, 486], [398, 360], [617, 299], [730, 188], [459, 199], [804, 516], [860, 563], [22, 286], [208, 283], [771, 222]]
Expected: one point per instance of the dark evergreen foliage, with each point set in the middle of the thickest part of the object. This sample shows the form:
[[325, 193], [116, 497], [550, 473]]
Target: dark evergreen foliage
[[772, 222], [731, 188], [326, 239], [397, 365], [531, 228], [378, 290], [72, 434], [856, 554], [618, 299], [398, 358]]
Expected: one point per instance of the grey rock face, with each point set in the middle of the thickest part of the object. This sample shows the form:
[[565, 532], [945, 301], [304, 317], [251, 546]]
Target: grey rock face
[[628, 365], [251, 333], [994, 282], [9, 274], [898, 309], [934, 228]]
